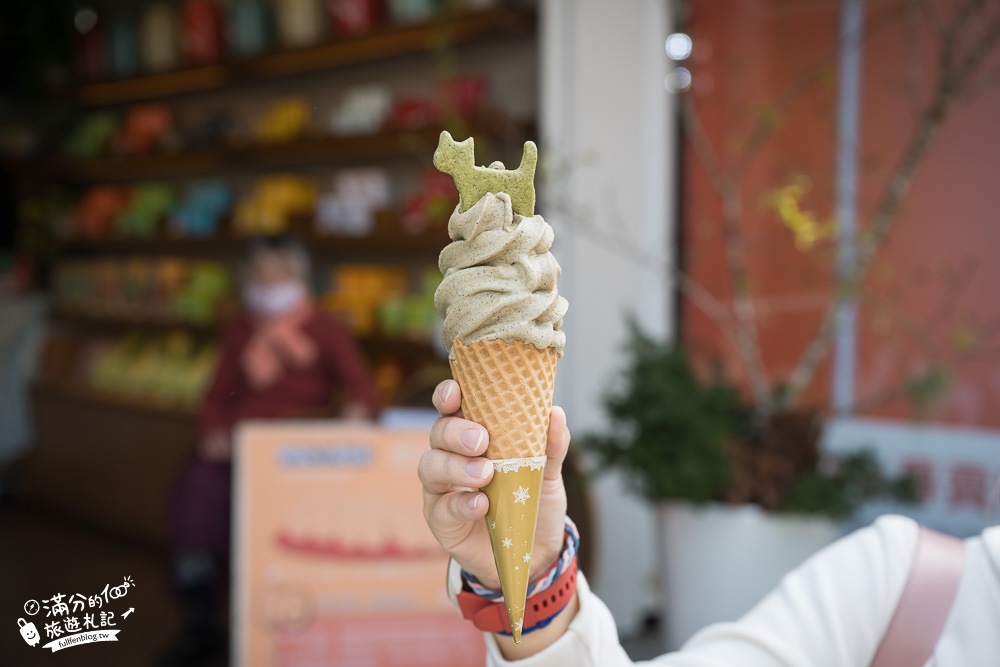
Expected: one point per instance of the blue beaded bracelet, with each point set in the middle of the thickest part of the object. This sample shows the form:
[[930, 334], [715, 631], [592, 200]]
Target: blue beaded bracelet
[[571, 546]]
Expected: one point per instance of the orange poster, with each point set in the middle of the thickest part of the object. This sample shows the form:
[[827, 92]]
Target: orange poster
[[334, 564]]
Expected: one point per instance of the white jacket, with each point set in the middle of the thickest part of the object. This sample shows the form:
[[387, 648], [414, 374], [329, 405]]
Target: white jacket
[[830, 612]]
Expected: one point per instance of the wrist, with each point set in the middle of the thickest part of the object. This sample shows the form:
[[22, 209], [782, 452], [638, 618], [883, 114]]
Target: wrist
[[557, 565], [549, 595], [536, 642]]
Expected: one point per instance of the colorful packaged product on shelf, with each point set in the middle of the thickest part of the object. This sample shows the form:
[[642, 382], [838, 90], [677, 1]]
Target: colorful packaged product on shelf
[[206, 289], [414, 113], [169, 277], [123, 47], [412, 11], [362, 110], [249, 29], [355, 17], [412, 316], [140, 289], [276, 199], [358, 289], [98, 208], [285, 120], [202, 36], [91, 58], [159, 38], [145, 130], [92, 135], [201, 209], [170, 368], [137, 283], [300, 22], [432, 203], [463, 96], [349, 210], [148, 205]]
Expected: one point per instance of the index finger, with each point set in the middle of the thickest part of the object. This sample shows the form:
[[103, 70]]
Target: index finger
[[448, 398], [454, 434]]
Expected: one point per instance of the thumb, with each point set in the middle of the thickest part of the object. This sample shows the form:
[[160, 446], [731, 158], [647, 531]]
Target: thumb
[[558, 445]]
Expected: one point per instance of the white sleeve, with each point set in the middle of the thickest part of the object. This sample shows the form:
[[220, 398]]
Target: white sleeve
[[830, 612]]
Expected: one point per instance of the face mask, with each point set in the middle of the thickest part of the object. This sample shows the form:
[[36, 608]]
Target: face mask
[[274, 300]]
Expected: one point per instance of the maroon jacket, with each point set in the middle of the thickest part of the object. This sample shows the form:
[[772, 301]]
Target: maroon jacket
[[299, 392]]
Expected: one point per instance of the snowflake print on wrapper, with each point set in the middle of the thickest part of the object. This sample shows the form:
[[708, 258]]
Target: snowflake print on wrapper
[[521, 495], [507, 542], [527, 557]]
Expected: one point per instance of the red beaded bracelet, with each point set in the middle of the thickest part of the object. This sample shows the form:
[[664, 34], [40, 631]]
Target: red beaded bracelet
[[492, 616]]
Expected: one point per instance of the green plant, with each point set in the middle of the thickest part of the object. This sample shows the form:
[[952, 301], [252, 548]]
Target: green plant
[[844, 484], [679, 436], [669, 429]]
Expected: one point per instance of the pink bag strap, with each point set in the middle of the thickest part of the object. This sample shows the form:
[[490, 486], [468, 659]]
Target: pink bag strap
[[926, 601]]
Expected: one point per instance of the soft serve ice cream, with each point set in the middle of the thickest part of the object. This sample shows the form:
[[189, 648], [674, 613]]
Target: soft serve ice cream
[[499, 278]]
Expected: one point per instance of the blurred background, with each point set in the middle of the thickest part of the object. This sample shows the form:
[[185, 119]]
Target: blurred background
[[774, 218]]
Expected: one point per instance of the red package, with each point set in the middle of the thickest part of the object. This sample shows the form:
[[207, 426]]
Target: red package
[[145, 127], [439, 184], [91, 55], [434, 201], [464, 95], [413, 112], [202, 32], [355, 17], [98, 209]]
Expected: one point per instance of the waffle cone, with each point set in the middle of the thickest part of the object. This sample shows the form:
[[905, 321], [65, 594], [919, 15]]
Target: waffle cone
[[507, 387]]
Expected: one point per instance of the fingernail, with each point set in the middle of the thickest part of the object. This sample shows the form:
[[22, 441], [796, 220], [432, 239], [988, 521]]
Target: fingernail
[[474, 501], [480, 468], [450, 387], [471, 438]]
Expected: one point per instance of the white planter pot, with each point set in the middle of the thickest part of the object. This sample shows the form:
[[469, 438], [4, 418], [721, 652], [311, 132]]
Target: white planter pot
[[718, 561]]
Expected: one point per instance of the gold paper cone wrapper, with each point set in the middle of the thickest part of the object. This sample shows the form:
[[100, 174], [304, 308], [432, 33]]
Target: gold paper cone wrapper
[[507, 387], [513, 493]]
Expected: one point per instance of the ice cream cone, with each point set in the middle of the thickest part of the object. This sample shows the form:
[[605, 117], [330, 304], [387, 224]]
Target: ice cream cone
[[507, 387]]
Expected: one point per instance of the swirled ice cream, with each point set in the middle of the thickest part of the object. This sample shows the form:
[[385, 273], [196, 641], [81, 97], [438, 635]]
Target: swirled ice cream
[[499, 278]]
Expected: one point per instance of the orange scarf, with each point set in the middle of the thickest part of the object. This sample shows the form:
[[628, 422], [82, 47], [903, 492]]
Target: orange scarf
[[277, 342]]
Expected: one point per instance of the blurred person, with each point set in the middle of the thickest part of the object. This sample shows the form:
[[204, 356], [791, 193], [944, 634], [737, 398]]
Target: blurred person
[[853, 604], [281, 358]]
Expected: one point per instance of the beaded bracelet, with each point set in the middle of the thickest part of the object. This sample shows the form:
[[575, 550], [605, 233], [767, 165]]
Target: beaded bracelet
[[571, 545]]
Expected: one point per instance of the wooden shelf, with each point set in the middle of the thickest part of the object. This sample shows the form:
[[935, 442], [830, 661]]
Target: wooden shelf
[[398, 346], [384, 43], [384, 245], [122, 318], [76, 391], [304, 152], [119, 319]]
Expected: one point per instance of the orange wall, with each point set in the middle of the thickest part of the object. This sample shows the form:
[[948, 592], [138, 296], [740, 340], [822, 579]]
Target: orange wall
[[915, 311]]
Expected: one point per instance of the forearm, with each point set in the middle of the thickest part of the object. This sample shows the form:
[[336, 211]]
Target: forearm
[[831, 611], [584, 634]]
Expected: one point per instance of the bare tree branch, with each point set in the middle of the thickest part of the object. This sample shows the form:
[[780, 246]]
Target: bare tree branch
[[951, 83], [766, 124], [912, 69], [611, 239], [745, 329], [725, 182], [899, 185]]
